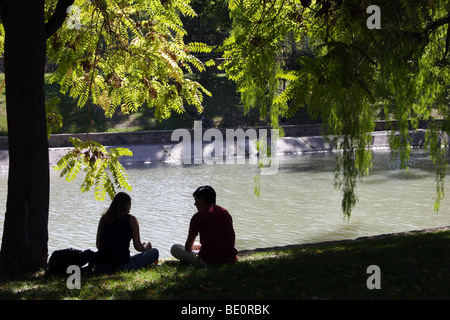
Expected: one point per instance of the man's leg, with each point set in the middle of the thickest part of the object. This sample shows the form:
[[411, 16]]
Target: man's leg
[[179, 252]]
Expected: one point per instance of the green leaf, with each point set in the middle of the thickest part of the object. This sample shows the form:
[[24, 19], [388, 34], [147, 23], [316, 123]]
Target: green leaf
[[97, 163]]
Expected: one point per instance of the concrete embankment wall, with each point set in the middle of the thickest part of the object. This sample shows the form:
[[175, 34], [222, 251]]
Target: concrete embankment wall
[[155, 136], [284, 146], [164, 136], [160, 145]]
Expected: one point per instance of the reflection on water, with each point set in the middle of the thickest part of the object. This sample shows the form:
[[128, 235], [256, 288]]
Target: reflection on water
[[297, 205]]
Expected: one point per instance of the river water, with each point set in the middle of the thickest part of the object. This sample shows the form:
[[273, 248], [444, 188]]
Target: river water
[[297, 205]]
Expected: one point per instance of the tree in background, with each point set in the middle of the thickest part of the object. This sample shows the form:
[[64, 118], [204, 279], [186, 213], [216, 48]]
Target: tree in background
[[115, 54], [353, 63], [212, 24]]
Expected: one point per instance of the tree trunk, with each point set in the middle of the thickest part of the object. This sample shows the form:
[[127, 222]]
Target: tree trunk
[[25, 232]]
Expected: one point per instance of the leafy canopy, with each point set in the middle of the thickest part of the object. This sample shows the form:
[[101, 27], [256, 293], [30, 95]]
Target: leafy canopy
[[321, 55], [282, 54], [127, 53], [94, 159], [121, 55]]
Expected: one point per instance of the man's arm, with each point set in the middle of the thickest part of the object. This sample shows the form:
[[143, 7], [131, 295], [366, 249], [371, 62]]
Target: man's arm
[[190, 243]]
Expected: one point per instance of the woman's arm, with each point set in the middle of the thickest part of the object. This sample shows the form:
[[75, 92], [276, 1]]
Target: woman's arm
[[138, 245], [97, 243]]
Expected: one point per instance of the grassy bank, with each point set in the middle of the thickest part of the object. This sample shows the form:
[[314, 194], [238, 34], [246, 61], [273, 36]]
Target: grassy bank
[[412, 267]]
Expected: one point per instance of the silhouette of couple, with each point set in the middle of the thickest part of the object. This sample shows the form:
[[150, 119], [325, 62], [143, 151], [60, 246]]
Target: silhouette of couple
[[117, 227]]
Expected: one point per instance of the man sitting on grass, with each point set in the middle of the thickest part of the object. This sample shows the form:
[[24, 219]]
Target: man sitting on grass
[[215, 226]]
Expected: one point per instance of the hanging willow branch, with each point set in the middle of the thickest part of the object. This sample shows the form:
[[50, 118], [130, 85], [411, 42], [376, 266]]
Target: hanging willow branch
[[346, 73]]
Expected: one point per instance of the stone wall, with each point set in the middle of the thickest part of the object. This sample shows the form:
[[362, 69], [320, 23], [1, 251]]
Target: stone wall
[[159, 137], [152, 137], [158, 146]]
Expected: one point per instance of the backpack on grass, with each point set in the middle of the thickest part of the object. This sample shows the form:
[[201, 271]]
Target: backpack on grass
[[61, 259]]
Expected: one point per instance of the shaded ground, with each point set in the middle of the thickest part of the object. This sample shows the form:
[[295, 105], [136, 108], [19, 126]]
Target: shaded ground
[[413, 266]]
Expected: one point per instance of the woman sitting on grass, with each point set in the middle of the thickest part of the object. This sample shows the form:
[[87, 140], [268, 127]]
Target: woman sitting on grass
[[115, 230]]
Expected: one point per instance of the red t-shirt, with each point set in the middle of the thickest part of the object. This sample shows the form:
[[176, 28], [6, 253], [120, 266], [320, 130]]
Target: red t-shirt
[[215, 226]]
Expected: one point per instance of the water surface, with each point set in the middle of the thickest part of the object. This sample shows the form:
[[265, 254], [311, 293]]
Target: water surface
[[297, 205]]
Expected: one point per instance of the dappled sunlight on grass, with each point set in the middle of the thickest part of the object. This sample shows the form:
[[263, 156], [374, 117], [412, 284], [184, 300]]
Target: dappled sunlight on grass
[[412, 267]]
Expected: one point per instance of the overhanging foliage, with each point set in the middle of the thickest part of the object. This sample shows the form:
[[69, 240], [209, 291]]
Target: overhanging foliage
[[321, 55]]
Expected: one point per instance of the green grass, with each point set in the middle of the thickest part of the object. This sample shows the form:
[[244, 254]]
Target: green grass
[[412, 267]]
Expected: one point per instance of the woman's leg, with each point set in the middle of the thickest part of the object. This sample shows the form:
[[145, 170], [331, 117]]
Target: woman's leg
[[143, 259]]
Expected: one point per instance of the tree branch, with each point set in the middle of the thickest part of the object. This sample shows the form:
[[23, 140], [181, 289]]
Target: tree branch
[[436, 24], [58, 17], [447, 43]]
